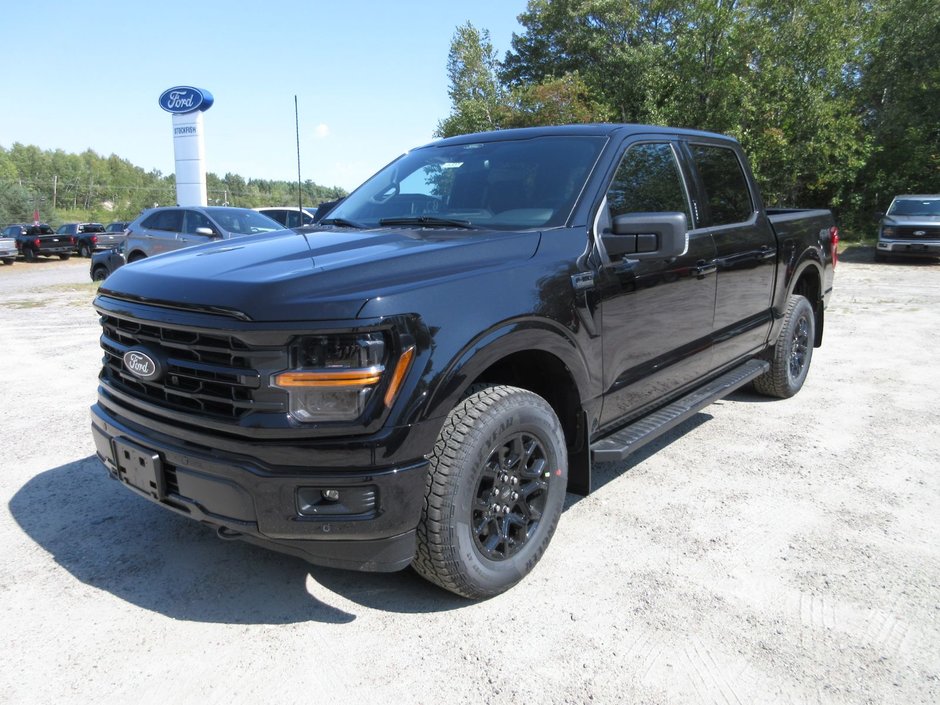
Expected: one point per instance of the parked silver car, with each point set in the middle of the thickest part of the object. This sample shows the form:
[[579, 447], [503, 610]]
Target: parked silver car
[[169, 228]]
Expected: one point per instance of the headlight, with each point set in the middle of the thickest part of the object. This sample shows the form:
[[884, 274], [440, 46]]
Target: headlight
[[889, 231], [334, 376]]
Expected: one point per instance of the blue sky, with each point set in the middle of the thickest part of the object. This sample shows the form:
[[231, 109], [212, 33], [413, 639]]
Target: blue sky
[[370, 78]]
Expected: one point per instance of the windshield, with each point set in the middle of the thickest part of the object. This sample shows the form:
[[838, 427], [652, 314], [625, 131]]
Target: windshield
[[242, 221], [504, 185], [915, 206]]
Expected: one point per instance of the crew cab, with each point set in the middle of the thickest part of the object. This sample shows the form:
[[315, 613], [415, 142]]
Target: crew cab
[[911, 227], [90, 237], [35, 240], [421, 377]]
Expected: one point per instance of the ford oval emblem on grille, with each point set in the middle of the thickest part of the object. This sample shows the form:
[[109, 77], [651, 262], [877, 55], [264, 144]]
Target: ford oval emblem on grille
[[920, 233], [140, 364]]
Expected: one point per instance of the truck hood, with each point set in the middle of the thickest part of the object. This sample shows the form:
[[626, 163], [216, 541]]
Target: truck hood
[[318, 275], [912, 220]]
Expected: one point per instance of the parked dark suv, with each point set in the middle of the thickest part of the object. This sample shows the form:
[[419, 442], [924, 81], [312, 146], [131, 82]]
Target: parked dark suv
[[170, 228]]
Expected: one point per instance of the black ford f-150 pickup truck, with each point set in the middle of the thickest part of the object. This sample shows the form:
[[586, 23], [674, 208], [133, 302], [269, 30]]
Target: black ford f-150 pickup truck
[[422, 376]]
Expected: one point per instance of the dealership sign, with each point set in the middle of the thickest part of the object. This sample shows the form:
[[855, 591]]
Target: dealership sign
[[188, 105], [185, 99]]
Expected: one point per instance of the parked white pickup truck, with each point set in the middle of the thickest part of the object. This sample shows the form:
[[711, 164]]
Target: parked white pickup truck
[[7, 250]]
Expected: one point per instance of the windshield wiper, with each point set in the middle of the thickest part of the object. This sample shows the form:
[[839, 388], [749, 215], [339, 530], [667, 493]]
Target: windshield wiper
[[428, 221], [342, 222]]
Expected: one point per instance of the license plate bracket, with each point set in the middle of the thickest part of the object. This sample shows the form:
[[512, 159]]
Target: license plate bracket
[[139, 467]]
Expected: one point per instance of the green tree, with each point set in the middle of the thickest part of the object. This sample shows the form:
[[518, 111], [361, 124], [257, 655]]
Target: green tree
[[477, 96], [901, 105]]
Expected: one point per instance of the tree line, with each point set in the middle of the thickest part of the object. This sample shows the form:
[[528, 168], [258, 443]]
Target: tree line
[[836, 102], [90, 187]]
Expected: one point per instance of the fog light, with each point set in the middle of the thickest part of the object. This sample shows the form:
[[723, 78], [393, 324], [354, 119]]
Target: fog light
[[352, 502]]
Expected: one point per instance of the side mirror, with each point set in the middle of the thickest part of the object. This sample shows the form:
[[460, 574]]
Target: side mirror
[[648, 235], [208, 232]]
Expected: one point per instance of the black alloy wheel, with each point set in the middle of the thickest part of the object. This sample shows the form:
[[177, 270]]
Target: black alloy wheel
[[792, 353], [495, 490], [510, 497]]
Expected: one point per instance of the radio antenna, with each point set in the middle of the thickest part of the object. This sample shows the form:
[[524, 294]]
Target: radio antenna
[[300, 198]]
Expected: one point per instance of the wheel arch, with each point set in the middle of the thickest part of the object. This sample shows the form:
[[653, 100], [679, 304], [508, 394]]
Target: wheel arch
[[807, 282], [537, 357]]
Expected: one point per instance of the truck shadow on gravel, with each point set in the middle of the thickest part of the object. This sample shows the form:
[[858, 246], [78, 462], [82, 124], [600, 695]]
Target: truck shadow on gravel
[[114, 541]]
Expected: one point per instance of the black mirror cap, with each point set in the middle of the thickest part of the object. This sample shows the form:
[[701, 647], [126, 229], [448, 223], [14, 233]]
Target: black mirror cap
[[648, 235]]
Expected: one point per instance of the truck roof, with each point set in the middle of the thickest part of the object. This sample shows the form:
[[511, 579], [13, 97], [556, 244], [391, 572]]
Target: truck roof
[[592, 129]]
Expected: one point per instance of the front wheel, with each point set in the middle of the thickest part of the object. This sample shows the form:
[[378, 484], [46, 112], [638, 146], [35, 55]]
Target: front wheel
[[99, 274], [494, 492], [792, 352]]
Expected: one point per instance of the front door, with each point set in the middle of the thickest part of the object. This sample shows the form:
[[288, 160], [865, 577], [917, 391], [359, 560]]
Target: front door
[[656, 313]]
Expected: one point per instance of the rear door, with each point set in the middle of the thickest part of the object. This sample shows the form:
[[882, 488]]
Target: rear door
[[656, 313], [745, 245], [160, 232]]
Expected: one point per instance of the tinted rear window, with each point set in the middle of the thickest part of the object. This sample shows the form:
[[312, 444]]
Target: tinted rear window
[[728, 198]]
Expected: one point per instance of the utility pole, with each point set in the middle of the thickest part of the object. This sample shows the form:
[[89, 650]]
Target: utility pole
[[55, 183]]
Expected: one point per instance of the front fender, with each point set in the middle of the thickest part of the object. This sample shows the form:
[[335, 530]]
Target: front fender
[[522, 335]]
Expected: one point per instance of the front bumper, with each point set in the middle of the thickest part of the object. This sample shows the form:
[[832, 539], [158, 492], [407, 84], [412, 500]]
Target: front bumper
[[370, 527], [925, 248]]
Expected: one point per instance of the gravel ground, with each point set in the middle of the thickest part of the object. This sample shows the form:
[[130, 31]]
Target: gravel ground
[[764, 552]]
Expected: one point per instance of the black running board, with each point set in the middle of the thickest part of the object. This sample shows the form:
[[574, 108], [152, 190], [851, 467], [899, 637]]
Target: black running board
[[620, 444]]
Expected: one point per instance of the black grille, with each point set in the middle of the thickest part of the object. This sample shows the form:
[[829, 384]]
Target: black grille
[[203, 372], [907, 232]]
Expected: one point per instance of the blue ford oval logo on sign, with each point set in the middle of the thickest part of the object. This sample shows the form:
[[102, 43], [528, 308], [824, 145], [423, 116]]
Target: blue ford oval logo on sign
[[185, 99]]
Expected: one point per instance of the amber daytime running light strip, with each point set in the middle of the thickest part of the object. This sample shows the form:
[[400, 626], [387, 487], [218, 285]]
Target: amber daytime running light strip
[[351, 378]]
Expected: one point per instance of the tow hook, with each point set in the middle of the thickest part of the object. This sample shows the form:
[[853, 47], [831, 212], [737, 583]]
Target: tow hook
[[227, 534]]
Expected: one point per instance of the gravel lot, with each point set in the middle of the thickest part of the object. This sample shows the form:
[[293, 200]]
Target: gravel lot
[[765, 552]]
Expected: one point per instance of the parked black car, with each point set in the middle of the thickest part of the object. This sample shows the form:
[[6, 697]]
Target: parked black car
[[35, 240], [105, 262]]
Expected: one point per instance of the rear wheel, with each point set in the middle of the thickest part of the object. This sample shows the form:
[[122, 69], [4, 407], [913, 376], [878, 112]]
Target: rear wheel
[[495, 492], [9, 260], [29, 254], [792, 352], [64, 256], [84, 250]]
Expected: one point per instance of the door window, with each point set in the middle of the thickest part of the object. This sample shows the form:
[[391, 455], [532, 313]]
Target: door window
[[648, 180], [169, 220], [195, 219], [727, 195]]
